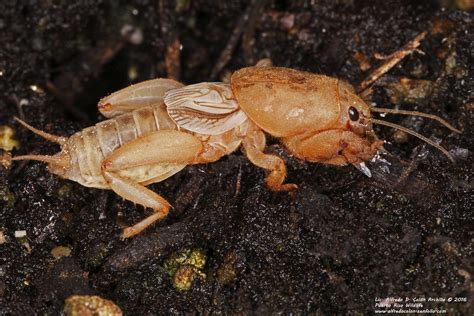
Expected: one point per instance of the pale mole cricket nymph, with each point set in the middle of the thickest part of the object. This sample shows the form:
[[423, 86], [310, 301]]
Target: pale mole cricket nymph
[[157, 127]]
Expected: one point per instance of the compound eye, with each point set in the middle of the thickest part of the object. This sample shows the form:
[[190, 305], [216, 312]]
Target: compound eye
[[353, 114]]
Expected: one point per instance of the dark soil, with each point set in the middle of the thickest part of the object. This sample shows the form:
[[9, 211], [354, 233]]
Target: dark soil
[[334, 246]]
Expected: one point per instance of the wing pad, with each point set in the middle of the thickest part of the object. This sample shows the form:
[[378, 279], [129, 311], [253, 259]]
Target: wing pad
[[207, 108]]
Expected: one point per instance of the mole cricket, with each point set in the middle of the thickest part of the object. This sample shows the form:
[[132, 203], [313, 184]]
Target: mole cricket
[[155, 128]]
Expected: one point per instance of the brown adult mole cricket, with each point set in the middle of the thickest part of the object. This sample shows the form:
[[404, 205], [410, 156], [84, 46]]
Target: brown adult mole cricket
[[157, 127]]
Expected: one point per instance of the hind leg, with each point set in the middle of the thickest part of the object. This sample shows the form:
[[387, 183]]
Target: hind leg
[[138, 194], [160, 147]]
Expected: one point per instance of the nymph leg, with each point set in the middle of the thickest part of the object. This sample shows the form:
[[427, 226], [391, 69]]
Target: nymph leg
[[254, 144], [138, 194], [161, 147]]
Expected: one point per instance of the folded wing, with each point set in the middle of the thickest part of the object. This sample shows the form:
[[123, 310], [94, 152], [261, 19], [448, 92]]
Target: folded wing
[[207, 108]]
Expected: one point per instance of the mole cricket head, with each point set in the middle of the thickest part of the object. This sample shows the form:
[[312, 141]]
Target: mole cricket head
[[355, 115], [351, 138], [60, 163], [347, 139], [355, 120]]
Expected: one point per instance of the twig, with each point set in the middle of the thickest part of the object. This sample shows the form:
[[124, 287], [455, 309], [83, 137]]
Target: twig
[[147, 246], [238, 181], [248, 18], [390, 62], [248, 38], [72, 79], [173, 44]]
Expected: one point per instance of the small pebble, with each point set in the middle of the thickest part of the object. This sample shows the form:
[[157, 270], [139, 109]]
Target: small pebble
[[20, 233], [400, 137], [60, 251], [86, 305]]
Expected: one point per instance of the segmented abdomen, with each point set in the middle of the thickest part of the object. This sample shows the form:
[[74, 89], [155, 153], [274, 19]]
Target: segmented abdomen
[[89, 147]]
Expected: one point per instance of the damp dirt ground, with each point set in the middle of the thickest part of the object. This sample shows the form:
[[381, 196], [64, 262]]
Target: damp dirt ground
[[334, 246]]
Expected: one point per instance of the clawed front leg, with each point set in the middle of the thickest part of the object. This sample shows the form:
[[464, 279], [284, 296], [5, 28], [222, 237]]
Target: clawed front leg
[[254, 144], [160, 147]]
